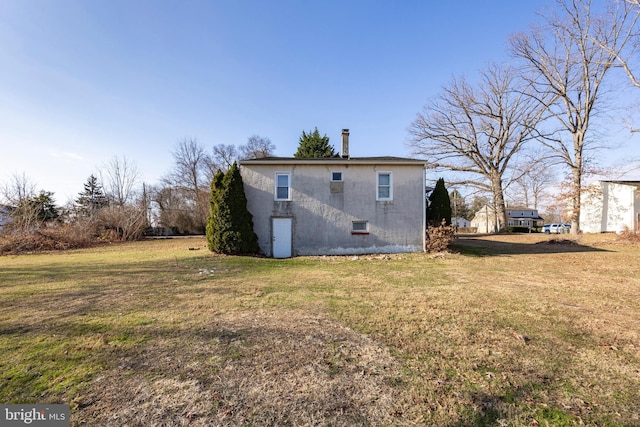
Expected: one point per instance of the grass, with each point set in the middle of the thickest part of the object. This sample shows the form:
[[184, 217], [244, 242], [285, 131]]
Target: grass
[[509, 330]]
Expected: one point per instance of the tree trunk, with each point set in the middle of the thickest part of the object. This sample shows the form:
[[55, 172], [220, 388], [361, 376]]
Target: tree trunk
[[498, 201], [576, 184]]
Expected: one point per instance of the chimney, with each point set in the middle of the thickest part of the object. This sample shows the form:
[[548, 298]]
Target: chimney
[[345, 143]]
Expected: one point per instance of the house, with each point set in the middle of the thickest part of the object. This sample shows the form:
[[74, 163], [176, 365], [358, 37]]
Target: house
[[610, 206], [460, 222], [335, 206], [485, 220]]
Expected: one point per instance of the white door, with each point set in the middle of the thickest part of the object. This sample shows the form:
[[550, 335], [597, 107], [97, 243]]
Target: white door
[[282, 237]]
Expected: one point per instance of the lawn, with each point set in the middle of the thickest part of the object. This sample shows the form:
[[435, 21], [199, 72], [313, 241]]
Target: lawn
[[514, 330]]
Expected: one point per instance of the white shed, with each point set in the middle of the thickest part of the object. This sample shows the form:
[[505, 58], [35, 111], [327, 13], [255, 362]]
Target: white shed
[[610, 206]]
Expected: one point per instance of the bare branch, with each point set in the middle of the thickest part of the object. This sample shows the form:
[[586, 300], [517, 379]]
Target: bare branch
[[257, 147], [119, 177], [562, 58], [478, 130]]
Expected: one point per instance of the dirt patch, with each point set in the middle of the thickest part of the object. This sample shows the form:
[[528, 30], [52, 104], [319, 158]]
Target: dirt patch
[[252, 369]]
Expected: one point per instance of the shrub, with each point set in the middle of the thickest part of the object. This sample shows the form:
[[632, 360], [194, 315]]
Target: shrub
[[439, 238], [439, 205], [519, 229], [50, 238], [629, 235]]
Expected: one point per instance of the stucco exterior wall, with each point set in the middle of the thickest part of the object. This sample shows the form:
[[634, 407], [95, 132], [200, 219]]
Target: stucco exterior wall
[[322, 211], [609, 207]]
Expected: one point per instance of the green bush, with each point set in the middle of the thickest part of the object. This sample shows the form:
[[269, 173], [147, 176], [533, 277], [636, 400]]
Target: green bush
[[230, 224]]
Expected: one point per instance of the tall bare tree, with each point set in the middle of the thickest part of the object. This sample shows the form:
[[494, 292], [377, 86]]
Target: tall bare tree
[[535, 175], [119, 178], [477, 131], [564, 60], [17, 188], [257, 147], [189, 178]]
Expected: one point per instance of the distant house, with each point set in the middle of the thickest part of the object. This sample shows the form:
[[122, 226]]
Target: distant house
[[339, 205], [5, 215], [460, 222], [610, 206], [485, 220]]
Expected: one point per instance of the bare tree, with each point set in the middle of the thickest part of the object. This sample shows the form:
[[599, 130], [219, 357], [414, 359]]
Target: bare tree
[[624, 17], [477, 131], [189, 178], [257, 147], [535, 177], [17, 188], [119, 178], [566, 62], [223, 157]]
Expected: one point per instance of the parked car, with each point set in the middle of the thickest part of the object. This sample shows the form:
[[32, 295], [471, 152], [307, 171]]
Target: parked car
[[556, 228]]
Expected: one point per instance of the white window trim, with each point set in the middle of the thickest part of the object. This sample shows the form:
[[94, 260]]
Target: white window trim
[[275, 186], [360, 231], [341, 176], [384, 199]]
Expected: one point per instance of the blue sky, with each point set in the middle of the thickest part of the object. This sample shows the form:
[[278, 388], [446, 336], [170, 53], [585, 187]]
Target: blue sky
[[83, 81]]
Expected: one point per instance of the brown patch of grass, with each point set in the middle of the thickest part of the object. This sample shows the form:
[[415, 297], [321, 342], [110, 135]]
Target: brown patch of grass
[[260, 369]]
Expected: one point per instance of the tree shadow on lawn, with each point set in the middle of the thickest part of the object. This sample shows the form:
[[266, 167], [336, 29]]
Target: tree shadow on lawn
[[479, 247]]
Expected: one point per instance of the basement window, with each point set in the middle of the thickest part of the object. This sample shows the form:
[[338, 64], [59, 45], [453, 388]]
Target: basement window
[[360, 227]]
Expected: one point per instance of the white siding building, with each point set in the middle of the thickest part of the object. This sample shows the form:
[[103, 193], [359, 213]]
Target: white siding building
[[610, 206]]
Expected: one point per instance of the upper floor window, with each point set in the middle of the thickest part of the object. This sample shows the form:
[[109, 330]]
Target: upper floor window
[[384, 188], [283, 186], [336, 176]]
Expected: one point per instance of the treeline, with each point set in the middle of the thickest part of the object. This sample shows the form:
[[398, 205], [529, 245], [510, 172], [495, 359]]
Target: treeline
[[115, 205], [201, 193]]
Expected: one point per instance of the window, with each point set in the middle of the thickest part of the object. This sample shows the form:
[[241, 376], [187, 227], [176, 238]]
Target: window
[[360, 227], [384, 189], [336, 176], [283, 186]]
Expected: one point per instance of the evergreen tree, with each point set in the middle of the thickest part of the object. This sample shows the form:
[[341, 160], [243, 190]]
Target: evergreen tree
[[216, 190], [313, 146], [35, 211], [92, 197], [439, 205], [231, 225]]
